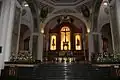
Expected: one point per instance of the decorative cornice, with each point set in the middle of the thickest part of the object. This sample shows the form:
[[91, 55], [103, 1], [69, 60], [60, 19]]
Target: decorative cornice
[[66, 10], [67, 3], [61, 1]]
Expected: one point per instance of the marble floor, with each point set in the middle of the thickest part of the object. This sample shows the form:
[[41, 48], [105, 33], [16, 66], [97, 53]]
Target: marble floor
[[63, 71]]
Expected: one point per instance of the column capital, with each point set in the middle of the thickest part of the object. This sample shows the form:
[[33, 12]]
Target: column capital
[[37, 34], [96, 33]]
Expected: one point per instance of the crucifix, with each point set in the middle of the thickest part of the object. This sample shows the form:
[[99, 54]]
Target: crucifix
[[65, 43]]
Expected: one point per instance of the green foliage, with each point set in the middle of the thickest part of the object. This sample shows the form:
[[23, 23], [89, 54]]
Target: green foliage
[[108, 58], [22, 56]]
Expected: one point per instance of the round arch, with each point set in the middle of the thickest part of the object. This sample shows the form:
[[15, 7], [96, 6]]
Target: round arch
[[103, 16], [107, 35], [35, 15], [77, 16], [25, 38], [96, 9]]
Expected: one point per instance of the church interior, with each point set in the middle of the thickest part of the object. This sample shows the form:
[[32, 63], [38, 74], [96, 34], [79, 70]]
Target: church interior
[[59, 39]]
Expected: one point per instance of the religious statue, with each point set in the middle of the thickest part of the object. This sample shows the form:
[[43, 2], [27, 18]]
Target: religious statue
[[78, 42], [53, 42]]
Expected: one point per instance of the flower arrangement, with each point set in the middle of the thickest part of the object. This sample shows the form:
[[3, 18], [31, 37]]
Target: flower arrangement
[[107, 57], [22, 56]]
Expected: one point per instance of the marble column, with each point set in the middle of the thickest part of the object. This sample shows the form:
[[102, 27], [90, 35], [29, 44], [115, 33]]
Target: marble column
[[7, 16], [115, 14], [9, 31], [111, 26], [90, 45], [40, 47], [34, 45], [94, 43]]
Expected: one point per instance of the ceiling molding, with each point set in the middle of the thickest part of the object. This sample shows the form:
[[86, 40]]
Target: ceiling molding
[[52, 6], [46, 2], [65, 10], [63, 3]]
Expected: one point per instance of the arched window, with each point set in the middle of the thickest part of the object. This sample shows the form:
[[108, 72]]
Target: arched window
[[65, 38]]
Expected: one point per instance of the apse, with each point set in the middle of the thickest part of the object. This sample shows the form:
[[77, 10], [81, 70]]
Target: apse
[[63, 37]]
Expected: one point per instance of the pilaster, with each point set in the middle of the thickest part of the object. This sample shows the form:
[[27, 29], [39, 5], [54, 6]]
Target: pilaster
[[7, 16]]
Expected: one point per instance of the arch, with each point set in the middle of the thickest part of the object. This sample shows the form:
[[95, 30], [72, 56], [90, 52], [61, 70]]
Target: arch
[[107, 37], [25, 34], [33, 8], [24, 27], [65, 27], [103, 17], [77, 16], [96, 8]]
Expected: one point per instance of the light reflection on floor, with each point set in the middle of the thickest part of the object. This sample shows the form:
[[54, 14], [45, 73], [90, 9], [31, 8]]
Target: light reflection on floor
[[65, 59]]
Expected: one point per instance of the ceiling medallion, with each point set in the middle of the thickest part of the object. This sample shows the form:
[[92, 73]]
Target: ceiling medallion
[[44, 12], [85, 11]]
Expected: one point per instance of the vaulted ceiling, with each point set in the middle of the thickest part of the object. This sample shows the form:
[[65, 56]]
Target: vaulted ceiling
[[63, 2], [71, 6]]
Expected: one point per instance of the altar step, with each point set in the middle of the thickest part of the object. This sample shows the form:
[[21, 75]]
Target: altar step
[[64, 72]]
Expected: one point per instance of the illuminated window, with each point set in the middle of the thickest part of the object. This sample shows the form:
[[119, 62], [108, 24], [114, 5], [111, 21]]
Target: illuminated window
[[78, 42], [65, 38], [53, 42]]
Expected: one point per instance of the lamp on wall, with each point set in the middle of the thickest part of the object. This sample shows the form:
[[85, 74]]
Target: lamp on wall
[[88, 30], [42, 30], [25, 4], [42, 27], [105, 3]]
